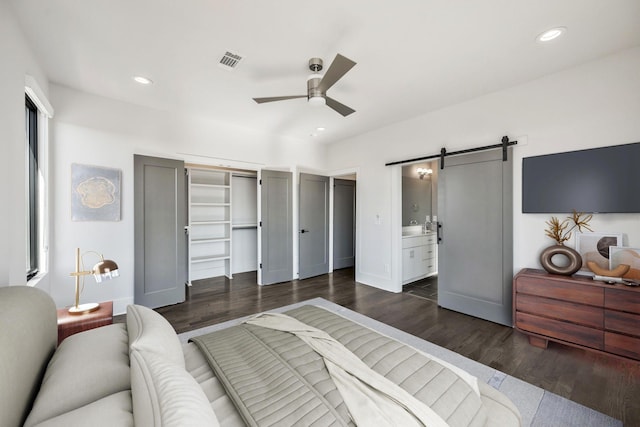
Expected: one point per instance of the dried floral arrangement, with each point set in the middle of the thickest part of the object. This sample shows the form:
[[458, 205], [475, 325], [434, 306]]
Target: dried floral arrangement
[[558, 230]]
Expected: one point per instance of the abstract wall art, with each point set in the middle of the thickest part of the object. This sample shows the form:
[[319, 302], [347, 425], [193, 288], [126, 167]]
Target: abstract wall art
[[95, 193]]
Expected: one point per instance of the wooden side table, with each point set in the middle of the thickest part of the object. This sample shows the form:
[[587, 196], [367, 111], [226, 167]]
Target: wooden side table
[[69, 324]]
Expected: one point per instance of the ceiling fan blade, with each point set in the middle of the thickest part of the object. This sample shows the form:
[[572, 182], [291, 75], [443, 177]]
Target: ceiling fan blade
[[340, 108], [277, 98], [336, 70]]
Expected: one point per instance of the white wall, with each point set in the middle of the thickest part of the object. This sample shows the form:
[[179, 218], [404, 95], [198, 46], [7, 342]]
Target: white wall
[[596, 104], [17, 61], [93, 130]]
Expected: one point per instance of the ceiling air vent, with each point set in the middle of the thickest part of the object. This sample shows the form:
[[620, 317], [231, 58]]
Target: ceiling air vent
[[230, 61]]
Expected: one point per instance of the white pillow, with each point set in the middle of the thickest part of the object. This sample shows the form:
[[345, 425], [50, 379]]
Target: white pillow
[[149, 331], [165, 395]]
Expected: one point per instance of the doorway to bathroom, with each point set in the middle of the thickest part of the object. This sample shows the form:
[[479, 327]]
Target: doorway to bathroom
[[419, 237]]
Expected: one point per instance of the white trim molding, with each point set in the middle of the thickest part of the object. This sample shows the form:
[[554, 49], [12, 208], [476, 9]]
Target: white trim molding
[[32, 88]]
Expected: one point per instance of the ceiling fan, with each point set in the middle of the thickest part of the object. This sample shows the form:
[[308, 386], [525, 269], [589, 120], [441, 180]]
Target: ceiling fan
[[317, 84]]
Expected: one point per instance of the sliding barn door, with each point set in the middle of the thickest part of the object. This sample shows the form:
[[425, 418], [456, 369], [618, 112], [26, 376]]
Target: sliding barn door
[[475, 251]]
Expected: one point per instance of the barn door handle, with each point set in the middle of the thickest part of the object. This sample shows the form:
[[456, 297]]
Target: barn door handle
[[304, 231], [438, 232]]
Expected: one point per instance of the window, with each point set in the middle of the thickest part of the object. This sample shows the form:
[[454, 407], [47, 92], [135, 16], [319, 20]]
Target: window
[[37, 111], [31, 120]]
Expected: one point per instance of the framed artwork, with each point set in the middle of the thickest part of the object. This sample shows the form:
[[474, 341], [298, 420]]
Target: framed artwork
[[595, 247], [95, 193], [623, 255]]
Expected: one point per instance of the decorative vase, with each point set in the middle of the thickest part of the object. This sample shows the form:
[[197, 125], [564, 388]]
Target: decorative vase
[[574, 258]]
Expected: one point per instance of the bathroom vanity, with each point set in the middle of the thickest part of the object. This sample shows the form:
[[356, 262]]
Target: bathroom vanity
[[419, 255]]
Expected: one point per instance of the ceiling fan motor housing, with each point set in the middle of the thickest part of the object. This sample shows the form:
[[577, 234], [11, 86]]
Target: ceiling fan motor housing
[[312, 86], [315, 65]]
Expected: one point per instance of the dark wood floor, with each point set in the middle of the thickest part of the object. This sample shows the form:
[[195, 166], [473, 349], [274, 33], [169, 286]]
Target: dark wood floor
[[607, 384]]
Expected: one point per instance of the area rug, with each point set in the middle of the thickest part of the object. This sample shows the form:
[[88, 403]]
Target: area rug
[[539, 408]]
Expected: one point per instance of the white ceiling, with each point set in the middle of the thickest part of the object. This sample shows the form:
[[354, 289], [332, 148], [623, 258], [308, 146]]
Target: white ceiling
[[413, 56]]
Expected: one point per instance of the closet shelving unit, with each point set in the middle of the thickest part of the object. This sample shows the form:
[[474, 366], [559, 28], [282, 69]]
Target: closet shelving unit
[[209, 226], [222, 226]]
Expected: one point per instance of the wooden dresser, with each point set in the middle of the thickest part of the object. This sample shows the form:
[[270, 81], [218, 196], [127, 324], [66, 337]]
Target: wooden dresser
[[577, 311]]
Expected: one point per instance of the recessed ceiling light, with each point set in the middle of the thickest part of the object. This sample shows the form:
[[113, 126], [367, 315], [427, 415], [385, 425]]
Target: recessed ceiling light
[[551, 34], [143, 80], [320, 129]]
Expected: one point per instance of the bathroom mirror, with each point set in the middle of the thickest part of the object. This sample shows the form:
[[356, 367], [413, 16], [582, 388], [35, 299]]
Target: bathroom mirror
[[417, 193]]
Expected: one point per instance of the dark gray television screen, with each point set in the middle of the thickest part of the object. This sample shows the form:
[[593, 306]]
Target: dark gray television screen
[[604, 180]]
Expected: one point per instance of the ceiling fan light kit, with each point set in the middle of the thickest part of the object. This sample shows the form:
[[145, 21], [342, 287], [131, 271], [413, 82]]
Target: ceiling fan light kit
[[317, 85], [317, 101]]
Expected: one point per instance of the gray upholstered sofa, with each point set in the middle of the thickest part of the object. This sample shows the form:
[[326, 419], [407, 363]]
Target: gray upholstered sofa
[[89, 380]]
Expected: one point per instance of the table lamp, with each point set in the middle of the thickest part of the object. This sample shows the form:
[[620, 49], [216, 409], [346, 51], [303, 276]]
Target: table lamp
[[105, 269]]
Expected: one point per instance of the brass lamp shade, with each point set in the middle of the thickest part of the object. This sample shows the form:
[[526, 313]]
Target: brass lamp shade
[[105, 270]]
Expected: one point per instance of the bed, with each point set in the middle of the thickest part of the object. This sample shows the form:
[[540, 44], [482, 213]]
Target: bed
[[267, 386]]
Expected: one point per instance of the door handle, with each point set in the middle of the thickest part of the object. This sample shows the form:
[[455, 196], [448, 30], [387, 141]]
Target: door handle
[[439, 233], [304, 231]]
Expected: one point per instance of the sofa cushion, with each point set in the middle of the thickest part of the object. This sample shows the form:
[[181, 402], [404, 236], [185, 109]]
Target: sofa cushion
[[150, 332], [114, 410], [86, 367], [165, 395]]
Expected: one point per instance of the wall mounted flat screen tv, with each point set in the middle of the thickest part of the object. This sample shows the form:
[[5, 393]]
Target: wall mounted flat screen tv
[[603, 180]]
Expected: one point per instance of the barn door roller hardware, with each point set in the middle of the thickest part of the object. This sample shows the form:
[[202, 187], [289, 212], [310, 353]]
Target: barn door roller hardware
[[504, 144]]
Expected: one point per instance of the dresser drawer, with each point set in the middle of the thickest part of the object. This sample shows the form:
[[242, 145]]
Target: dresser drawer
[[622, 299], [625, 323], [428, 253], [429, 266], [413, 241], [622, 345], [578, 293], [561, 310], [558, 329]]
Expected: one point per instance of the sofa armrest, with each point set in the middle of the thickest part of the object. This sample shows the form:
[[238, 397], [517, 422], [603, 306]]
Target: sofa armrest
[[28, 337]]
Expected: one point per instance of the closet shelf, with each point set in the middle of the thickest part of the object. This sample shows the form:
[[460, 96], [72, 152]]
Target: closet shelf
[[199, 259], [209, 204], [209, 222], [193, 184], [211, 240]]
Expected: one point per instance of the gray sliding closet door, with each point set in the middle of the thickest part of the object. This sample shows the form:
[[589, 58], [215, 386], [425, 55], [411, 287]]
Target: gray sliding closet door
[[475, 254], [160, 239]]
